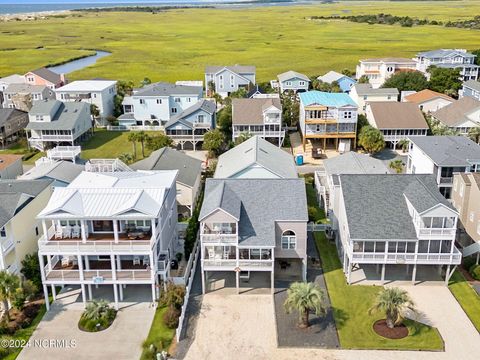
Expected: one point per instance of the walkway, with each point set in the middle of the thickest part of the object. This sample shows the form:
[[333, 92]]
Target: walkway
[[122, 341]]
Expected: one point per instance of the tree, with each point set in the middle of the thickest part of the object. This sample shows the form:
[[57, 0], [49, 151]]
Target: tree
[[477, 58], [23, 293], [31, 269], [409, 80], [396, 165], [394, 302], [158, 141], [94, 111], [224, 121], [244, 136], [9, 283], [123, 88], [142, 137], [213, 141], [290, 108], [127, 158], [97, 309], [371, 139], [404, 144], [444, 80], [305, 298], [474, 134], [133, 137], [146, 81], [363, 79], [348, 72], [323, 86]]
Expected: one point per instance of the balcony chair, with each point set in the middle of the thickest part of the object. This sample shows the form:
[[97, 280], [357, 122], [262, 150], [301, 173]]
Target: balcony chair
[[136, 260], [76, 231], [65, 261], [146, 260], [59, 233], [67, 232]]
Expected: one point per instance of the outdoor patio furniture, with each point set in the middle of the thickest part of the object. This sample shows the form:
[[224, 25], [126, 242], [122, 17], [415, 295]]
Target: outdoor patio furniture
[[136, 234], [65, 261], [75, 260], [67, 232], [76, 231], [146, 260], [136, 260], [59, 233]]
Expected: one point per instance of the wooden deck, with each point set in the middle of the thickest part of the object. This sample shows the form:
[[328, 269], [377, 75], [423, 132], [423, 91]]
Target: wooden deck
[[102, 237], [101, 265]]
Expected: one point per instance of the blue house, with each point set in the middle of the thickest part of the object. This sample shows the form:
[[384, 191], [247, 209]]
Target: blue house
[[345, 82], [190, 125], [471, 88]]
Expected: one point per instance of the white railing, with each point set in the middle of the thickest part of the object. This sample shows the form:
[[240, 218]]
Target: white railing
[[446, 180], [407, 258], [7, 245], [317, 227], [255, 263], [433, 233], [13, 269], [220, 262], [91, 275], [57, 137], [64, 152], [135, 128], [106, 165], [60, 246], [219, 238], [189, 275]]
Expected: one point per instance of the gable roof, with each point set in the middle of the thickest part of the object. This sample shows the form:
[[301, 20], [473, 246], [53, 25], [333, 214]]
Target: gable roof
[[440, 53], [203, 104], [472, 84], [291, 75], [367, 89], [327, 99], [239, 69], [111, 195], [426, 95], [381, 200], [354, 163], [167, 89], [456, 112], [15, 194], [250, 111], [397, 115], [255, 151], [65, 117], [13, 79], [63, 171], [24, 88], [448, 150], [87, 85], [48, 75], [10, 114], [258, 204], [170, 159]]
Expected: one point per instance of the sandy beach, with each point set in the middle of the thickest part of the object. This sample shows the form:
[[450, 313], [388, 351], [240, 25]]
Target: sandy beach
[[33, 15]]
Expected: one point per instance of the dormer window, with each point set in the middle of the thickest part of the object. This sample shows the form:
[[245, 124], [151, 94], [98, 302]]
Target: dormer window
[[39, 118]]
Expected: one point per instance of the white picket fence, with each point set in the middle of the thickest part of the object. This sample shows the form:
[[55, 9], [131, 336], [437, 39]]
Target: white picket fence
[[135, 128], [317, 227], [189, 275]]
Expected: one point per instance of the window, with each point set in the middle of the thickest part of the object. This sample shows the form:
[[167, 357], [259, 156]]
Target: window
[[365, 97], [177, 100], [288, 83], [95, 96], [3, 232], [174, 110], [189, 99], [36, 231], [159, 101], [142, 101], [289, 240], [347, 114], [302, 83], [201, 119], [38, 118], [472, 215]]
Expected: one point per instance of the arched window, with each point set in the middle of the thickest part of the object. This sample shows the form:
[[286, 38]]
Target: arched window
[[289, 240]]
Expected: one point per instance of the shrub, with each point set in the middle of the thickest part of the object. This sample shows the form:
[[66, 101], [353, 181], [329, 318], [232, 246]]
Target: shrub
[[97, 313], [468, 262], [475, 271], [173, 297], [31, 269], [170, 318], [312, 213]]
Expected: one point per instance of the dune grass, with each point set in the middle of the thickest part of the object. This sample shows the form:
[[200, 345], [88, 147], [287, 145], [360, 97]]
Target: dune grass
[[467, 297], [350, 309], [177, 44]]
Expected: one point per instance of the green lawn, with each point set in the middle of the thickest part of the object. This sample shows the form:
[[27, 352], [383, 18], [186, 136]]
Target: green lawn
[[23, 334], [159, 334], [315, 212], [272, 38], [350, 306], [20, 148], [110, 144], [467, 297]]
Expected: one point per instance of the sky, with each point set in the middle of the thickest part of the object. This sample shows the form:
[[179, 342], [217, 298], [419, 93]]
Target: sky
[[75, 1]]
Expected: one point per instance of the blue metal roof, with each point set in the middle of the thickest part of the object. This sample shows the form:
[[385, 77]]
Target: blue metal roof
[[326, 99]]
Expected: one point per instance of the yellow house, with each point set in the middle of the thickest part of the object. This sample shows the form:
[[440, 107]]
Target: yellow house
[[20, 203]]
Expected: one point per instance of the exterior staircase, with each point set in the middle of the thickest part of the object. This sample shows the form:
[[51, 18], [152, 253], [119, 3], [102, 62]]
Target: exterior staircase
[[471, 249]]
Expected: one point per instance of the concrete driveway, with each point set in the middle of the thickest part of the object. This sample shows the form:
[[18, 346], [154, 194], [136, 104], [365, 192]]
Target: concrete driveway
[[123, 340], [242, 327]]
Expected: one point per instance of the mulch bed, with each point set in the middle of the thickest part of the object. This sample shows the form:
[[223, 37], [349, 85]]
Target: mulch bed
[[22, 318], [398, 332]]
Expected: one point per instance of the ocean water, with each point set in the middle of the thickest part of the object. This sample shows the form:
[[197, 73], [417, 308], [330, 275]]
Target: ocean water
[[16, 7]]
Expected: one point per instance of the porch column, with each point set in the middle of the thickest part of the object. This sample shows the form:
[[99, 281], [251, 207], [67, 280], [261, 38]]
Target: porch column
[[237, 281], [272, 280], [119, 262], [42, 268], [153, 293], [304, 269], [112, 266], [49, 263], [478, 258], [447, 275], [345, 261], [115, 231], [414, 274], [120, 287], [203, 281], [84, 298], [54, 293], [382, 280], [115, 295], [45, 229], [349, 273], [154, 230], [45, 294], [87, 263], [83, 230], [90, 297]]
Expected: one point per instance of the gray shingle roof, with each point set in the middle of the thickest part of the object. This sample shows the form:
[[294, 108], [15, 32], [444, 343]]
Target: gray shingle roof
[[255, 151], [239, 69], [262, 203], [472, 84], [15, 194], [167, 89], [170, 159], [250, 111], [48, 75], [376, 207], [203, 104], [354, 163], [65, 117], [24, 88], [440, 53], [456, 112], [63, 171], [448, 150], [292, 75], [7, 114], [397, 115], [367, 89]]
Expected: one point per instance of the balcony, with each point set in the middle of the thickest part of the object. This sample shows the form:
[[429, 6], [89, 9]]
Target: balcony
[[7, 246], [218, 233], [408, 258], [446, 180], [436, 233], [225, 258]]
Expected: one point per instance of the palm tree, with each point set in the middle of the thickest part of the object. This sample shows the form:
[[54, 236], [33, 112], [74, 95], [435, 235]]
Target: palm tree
[[305, 297], [397, 165], [404, 144], [96, 309], [9, 283], [394, 302], [142, 137], [126, 158], [133, 137], [474, 134], [244, 136]]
